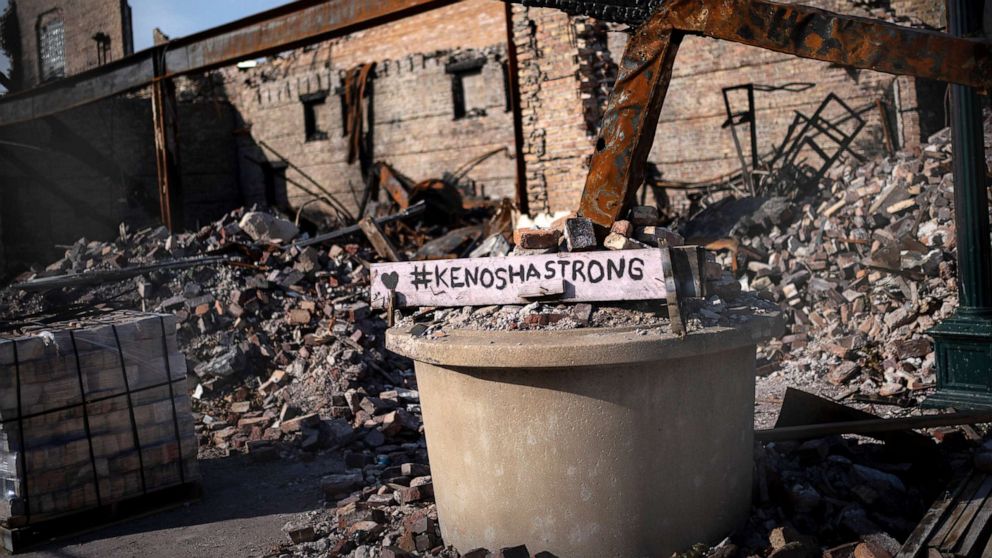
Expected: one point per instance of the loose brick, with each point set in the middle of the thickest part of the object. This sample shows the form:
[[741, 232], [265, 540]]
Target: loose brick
[[300, 532], [408, 494], [579, 234], [536, 238], [513, 552], [871, 550], [623, 228], [297, 424], [615, 241], [394, 552], [299, 316]]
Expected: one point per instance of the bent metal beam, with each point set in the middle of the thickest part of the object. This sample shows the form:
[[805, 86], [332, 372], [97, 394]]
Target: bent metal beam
[[286, 27]]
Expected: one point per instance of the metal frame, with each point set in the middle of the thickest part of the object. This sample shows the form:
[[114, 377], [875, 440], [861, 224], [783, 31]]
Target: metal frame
[[787, 155], [735, 119], [632, 113], [166, 120]]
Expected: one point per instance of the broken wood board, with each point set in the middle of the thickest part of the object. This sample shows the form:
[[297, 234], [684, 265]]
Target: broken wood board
[[382, 245], [584, 277], [959, 524]]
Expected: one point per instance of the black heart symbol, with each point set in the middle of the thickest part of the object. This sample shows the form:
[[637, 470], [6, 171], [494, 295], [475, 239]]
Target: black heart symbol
[[390, 280]]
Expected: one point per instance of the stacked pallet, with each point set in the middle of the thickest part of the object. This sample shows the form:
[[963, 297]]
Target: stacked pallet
[[92, 414]]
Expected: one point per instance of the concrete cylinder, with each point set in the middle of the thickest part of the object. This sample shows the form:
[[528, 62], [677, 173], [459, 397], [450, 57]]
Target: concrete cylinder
[[588, 442]]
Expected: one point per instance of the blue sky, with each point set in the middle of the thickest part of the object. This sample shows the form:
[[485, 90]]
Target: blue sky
[[178, 18]]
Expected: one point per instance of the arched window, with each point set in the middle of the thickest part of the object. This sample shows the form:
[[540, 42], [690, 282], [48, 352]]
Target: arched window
[[51, 46]]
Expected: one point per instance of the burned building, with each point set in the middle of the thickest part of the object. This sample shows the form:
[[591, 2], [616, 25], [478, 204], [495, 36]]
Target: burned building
[[568, 64], [60, 38], [436, 97], [450, 375]]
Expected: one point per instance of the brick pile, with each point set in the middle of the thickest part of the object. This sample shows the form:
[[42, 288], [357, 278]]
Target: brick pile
[[287, 361], [286, 358], [289, 358], [93, 413], [863, 267]]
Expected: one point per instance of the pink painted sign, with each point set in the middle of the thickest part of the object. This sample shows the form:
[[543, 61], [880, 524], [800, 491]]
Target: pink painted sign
[[568, 277]]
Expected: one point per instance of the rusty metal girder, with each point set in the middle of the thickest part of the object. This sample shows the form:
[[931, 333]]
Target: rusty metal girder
[[630, 121], [635, 104], [169, 175], [851, 41], [290, 26]]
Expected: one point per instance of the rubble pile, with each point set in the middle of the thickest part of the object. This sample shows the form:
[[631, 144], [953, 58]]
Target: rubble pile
[[287, 360], [862, 268], [642, 316], [826, 496], [725, 305], [843, 497], [287, 363]]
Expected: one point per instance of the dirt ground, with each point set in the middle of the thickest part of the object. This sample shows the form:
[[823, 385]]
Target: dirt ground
[[243, 510]]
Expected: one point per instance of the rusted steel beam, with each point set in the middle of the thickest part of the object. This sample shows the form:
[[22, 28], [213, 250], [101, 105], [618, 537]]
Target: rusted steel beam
[[809, 33], [841, 39], [290, 26], [165, 118], [630, 122]]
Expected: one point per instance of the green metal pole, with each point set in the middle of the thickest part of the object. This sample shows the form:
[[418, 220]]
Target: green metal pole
[[964, 18], [963, 343]]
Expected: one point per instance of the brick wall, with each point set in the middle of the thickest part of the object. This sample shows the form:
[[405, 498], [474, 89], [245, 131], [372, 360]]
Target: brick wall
[[558, 72], [82, 173], [563, 65], [469, 24], [930, 13], [82, 19], [691, 144], [97, 166], [411, 105]]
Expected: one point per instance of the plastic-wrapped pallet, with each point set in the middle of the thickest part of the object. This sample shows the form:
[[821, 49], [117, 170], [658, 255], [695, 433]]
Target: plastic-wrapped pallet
[[92, 413]]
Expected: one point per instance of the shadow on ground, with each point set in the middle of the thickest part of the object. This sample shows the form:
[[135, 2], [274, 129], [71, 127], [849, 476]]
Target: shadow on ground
[[242, 512]]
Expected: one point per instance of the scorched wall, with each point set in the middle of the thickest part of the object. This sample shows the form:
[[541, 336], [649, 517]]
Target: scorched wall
[[410, 107], [84, 172], [565, 71]]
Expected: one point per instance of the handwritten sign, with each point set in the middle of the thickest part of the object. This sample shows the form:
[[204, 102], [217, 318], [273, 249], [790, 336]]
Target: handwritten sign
[[569, 277]]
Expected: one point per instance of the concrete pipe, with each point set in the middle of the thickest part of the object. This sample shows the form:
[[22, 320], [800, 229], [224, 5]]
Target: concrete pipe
[[589, 442]]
